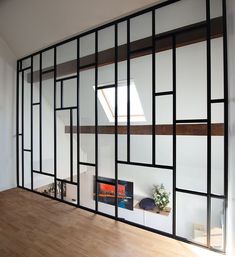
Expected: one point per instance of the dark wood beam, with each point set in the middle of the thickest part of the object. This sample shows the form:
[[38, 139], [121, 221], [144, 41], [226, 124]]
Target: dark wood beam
[[184, 36], [217, 129]]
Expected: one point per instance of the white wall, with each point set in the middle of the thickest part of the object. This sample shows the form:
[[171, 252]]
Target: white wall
[[7, 117], [231, 77]]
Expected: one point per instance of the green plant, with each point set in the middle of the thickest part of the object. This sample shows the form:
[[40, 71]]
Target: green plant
[[161, 196]]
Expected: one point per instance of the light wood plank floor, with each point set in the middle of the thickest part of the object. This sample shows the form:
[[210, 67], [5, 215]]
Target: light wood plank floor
[[34, 226]]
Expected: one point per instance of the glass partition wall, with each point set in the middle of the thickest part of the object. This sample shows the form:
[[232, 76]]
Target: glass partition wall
[[106, 116]]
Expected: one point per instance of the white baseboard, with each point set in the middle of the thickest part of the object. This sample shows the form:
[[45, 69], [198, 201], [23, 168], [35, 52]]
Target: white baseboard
[[4, 188]]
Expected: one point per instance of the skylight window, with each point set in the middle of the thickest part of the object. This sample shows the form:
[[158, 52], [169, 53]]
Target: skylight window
[[107, 99]]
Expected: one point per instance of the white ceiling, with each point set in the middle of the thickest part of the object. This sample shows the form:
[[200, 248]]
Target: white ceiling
[[30, 25]]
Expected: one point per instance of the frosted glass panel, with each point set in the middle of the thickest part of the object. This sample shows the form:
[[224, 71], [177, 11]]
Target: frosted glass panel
[[191, 217]]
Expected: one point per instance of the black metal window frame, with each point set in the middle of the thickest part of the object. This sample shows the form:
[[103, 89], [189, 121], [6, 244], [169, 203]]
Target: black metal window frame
[[20, 134]]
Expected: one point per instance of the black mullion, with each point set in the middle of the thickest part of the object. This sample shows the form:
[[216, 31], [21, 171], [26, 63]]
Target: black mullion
[[55, 127], [87, 164], [71, 145], [192, 121], [17, 125], [217, 100], [208, 43], [96, 120], [61, 94], [164, 93], [40, 112], [116, 121], [128, 90], [31, 135], [78, 122], [225, 63], [106, 86], [153, 88], [146, 165], [174, 133], [22, 129]]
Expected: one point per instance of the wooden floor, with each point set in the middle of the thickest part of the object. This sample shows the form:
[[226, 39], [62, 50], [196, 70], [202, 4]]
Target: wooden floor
[[34, 226]]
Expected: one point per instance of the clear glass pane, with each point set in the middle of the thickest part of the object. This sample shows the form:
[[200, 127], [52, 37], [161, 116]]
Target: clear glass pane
[[163, 70], [191, 217], [139, 187], [191, 163], [191, 82], [20, 160], [70, 93], [48, 59], [66, 59], [87, 48], [44, 184], [87, 116], [47, 126], [217, 224], [180, 14], [36, 136], [70, 193], [87, 179], [26, 63], [164, 150], [217, 71], [63, 144], [20, 103], [141, 96], [140, 29], [27, 111], [27, 170]]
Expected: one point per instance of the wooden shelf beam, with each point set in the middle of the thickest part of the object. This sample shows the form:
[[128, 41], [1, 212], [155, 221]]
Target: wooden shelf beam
[[217, 129]]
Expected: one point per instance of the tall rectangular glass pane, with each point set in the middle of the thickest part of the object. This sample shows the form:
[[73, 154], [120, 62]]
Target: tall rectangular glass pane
[[140, 109], [191, 217], [47, 119], [27, 110], [63, 144], [36, 138]]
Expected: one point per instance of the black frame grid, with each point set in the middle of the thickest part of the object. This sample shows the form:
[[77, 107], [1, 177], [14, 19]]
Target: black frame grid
[[173, 36]]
